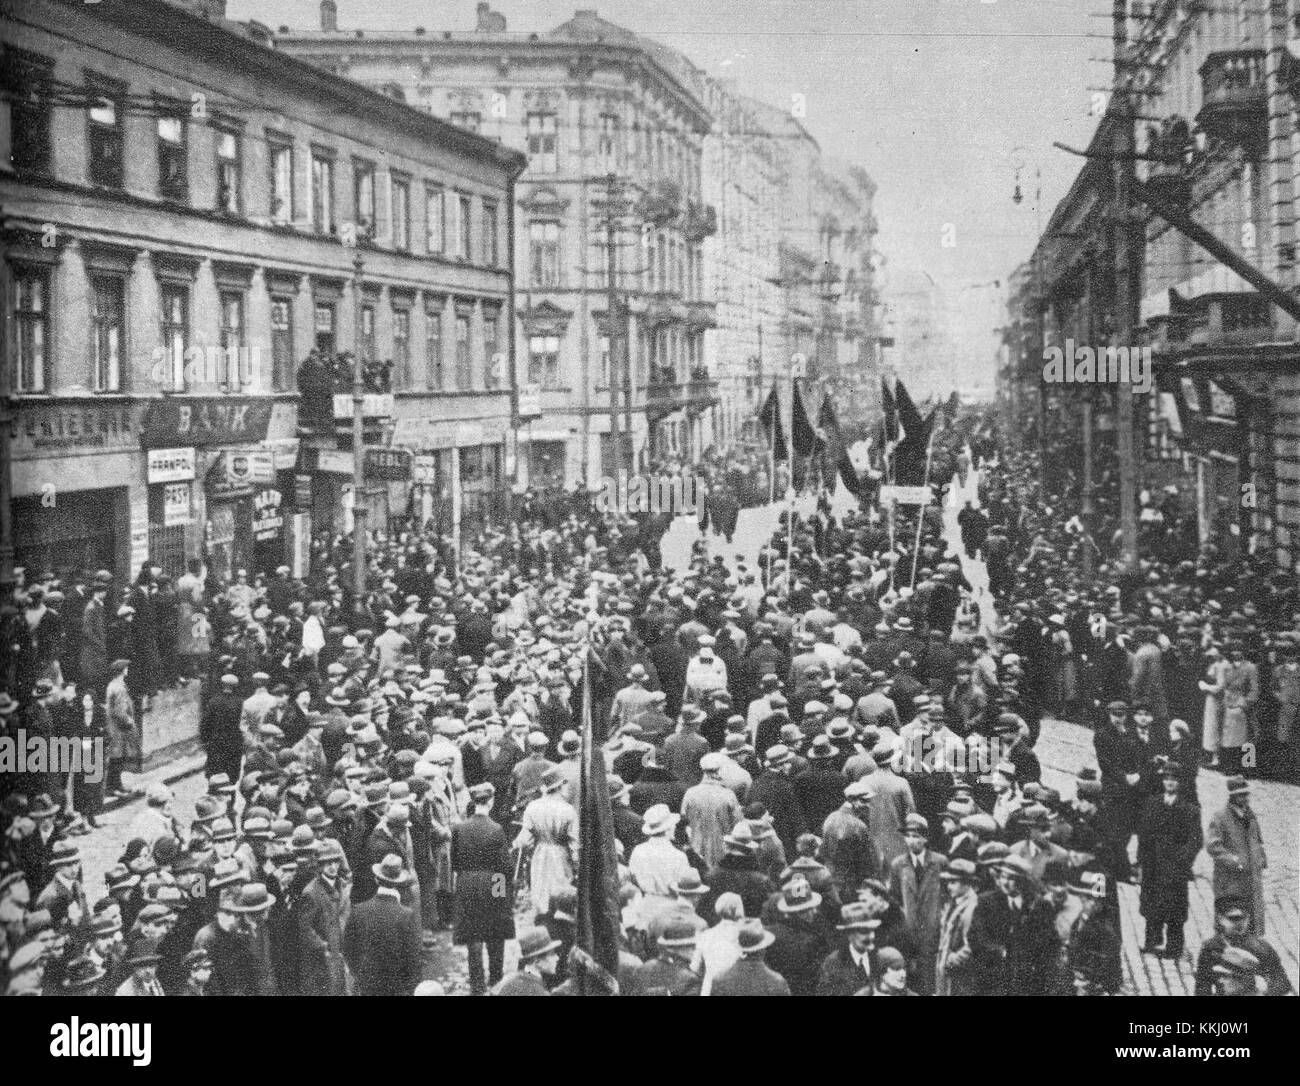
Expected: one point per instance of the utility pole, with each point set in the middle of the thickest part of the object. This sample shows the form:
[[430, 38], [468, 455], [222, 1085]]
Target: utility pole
[[611, 316], [1126, 287], [358, 447], [7, 360]]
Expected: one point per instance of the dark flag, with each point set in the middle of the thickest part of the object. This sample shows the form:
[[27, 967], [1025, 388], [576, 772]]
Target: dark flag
[[770, 419], [833, 445], [806, 442], [826, 420], [849, 474], [909, 418], [891, 415], [595, 952], [910, 455]]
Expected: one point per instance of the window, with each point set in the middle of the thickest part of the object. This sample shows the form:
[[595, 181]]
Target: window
[[105, 126], [544, 361], [609, 146], [282, 361], [108, 298], [173, 183], [433, 347], [233, 376], [175, 333], [401, 199], [541, 142], [322, 193], [31, 329], [471, 121], [453, 225], [281, 183], [463, 380], [661, 282], [493, 362], [599, 263], [228, 172], [363, 180], [490, 247], [324, 327], [435, 223], [544, 253], [401, 348], [463, 226], [603, 342], [367, 333], [25, 81]]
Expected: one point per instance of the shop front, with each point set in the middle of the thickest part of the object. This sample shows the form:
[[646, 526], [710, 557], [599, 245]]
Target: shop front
[[78, 488]]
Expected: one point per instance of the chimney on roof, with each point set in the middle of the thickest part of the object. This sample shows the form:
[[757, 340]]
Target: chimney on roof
[[329, 16], [489, 21]]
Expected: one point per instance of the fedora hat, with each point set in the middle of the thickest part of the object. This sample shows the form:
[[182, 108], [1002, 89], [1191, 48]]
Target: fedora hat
[[798, 896], [822, 748], [677, 934], [142, 952], [689, 885], [753, 938], [856, 916], [658, 820], [536, 943], [390, 871], [741, 839], [252, 897], [552, 780], [42, 807]]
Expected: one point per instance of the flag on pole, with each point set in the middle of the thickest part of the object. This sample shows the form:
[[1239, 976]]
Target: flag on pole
[[891, 415], [596, 942], [770, 419], [909, 418], [802, 431]]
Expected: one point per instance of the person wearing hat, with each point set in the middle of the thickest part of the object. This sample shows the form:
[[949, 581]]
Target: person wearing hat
[[851, 967], [381, 939], [538, 961], [197, 965], [669, 971], [953, 973], [484, 912], [891, 799], [258, 708], [321, 911], [63, 896], [751, 975], [1236, 846], [123, 748], [1237, 973], [550, 828], [799, 936], [738, 872], [236, 940], [142, 960], [710, 810], [1232, 924], [915, 887], [847, 847], [1169, 839], [682, 751], [774, 789], [705, 672], [1094, 952], [220, 731], [656, 865], [632, 700], [1037, 847], [1014, 947]]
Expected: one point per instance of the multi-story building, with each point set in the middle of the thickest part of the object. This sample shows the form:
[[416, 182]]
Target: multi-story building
[[613, 125], [1217, 86], [187, 213]]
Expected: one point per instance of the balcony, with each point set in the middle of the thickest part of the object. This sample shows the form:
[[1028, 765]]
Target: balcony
[[661, 203], [666, 394], [664, 307], [701, 316], [1234, 105], [699, 222]]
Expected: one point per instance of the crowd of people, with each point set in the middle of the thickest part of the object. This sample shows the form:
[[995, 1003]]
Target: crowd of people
[[821, 764]]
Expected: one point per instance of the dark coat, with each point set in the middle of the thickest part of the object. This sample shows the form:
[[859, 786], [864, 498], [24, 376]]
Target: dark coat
[[776, 792], [1013, 954], [1169, 837], [382, 946], [480, 858], [819, 791], [798, 951], [750, 977], [663, 976], [737, 875], [839, 976], [656, 786], [321, 912]]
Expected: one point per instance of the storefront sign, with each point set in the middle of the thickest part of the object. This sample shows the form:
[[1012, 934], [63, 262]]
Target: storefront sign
[[170, 465], [267, 520], [388, 464], [225, 420], [78, 426], [530, 402], [247, 468], [374, 405], [302, 491], [906, 495], [176, 504], [284, 453], [334, 461]]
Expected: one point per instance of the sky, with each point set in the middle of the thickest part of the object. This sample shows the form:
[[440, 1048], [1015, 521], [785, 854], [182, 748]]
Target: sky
[[939, 100]]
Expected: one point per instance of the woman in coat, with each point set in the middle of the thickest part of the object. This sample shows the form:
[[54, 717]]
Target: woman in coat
[[123, 738], [550, 826], [1212, 686], [1240, 693], [953, 973]]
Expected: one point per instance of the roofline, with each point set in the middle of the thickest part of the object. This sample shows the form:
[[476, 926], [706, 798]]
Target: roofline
[[493, 44], [177, 27]]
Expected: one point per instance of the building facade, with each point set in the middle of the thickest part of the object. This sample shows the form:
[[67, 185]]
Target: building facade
[[187, 214], [613, 126]]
